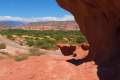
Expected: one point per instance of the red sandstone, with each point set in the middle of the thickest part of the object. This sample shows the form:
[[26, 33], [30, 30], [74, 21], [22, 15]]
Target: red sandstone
[[46, 68], [99, 21]]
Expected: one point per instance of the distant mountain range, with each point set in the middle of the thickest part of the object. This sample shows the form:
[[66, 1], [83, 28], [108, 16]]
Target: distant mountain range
[[49, 25], [9, 24], [52, 25]]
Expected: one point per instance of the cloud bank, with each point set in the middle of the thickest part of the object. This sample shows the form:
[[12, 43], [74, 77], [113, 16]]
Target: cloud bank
[[37, 19]]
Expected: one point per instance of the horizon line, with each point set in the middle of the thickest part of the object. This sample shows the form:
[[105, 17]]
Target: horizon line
[[37, 19]]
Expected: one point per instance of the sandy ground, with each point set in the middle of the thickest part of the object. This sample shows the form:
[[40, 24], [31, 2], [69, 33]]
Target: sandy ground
[[47, 67]]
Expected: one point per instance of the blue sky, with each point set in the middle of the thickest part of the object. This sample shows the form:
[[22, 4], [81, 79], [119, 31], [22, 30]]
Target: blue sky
[[31, 8]]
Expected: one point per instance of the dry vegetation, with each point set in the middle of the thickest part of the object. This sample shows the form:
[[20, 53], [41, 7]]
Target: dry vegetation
[[46, 39], [37, 39]]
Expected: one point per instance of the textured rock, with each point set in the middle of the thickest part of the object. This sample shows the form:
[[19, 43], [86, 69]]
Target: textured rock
[[99, 21], [76, 51], [46, 68]]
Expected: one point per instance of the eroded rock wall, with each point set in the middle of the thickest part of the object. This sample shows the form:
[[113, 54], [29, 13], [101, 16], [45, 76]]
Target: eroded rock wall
[[99, 21]]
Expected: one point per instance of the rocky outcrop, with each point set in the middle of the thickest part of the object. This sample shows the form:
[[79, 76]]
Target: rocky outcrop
[[76, 51], [99, 21]]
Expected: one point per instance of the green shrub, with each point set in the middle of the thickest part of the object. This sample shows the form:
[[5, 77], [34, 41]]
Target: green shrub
[[81, 39], [29, 42], [21, 57], [46, 39], [2, 45], [44, 43]]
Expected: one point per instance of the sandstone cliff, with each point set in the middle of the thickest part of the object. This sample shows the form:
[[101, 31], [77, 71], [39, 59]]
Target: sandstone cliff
[[99, 21]]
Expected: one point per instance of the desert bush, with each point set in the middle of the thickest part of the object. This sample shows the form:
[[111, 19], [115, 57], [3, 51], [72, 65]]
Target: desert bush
[[32, 52], [21, 57], [29, 42], [35, 52], [81, 39], [44, 43], [46, 39], [2, 45], [10, 37]]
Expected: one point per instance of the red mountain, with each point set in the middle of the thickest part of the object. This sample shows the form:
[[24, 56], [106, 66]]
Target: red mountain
[[52, 25]]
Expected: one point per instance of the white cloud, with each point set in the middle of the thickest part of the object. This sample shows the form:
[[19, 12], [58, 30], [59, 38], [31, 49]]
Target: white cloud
[[36, 19]]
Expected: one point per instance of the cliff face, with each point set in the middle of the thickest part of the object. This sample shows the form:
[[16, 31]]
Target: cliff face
[[99, 21]]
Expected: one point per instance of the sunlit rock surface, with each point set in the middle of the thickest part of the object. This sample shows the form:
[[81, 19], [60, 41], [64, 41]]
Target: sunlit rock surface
[[46, 68]]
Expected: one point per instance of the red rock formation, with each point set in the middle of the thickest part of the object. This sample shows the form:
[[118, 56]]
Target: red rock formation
[[66, 49], [76, 51], [51, 25], [99, 21]]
